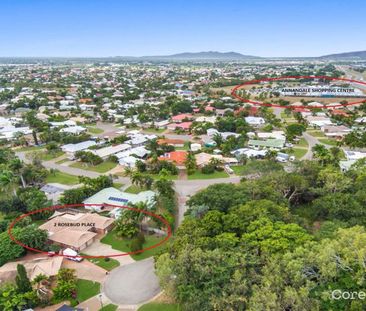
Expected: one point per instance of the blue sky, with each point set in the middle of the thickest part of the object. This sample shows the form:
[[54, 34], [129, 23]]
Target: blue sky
[[161, 27]]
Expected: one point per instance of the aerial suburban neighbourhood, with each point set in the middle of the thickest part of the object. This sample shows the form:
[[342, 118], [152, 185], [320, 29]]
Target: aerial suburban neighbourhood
[[213, 181]]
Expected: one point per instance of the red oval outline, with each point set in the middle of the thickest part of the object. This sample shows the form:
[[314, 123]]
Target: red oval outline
[[55, 207], [233, 92]]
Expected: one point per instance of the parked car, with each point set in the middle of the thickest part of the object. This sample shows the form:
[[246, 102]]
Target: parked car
[[70, 254]]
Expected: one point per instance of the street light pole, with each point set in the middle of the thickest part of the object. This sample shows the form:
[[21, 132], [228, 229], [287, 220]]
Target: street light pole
[[101, 301]]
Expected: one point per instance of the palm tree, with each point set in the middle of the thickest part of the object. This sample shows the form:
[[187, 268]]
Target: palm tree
[[164, 186], [7, 182], [153, 145], [137, 179], [17, 166], [271, 155], [142, 206], [217, 138], [41, 291], [215, 162], [190, 163], [321, 153], [128, 171]]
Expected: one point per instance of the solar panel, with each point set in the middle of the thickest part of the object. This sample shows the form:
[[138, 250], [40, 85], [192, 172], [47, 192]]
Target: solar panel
[[118, 199]]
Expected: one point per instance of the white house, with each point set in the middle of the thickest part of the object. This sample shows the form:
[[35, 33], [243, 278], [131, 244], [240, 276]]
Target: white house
[[354, 155], [75, 130], [255, 121], [110, 150], [71, 149]]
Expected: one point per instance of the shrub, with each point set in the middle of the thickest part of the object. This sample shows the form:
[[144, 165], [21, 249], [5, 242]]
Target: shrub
[[136, 245], [54, 248], [208, 169]]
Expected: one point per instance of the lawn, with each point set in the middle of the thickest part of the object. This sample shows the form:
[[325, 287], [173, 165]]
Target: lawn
[[155, 306], [316, 133], [86, 289], [109, 307], [327, 141], [122, 245], [298, 152], [170, 177], [107, 265], [154, 131], [302, 143], [238, 169], [134, 189], [100, 168], [117, 185], [199, 175], [62, 161], [94, 130], [185, 147], [26, 149], [62, 178], [47, 156]]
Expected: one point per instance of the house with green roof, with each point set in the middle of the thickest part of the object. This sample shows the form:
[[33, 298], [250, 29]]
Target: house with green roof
[[273, 144], [113, 196]]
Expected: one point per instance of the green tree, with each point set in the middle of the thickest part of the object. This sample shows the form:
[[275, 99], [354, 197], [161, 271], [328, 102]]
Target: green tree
[[190, 163], [22, 281]]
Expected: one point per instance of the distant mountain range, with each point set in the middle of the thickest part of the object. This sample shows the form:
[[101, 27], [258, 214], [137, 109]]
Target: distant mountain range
[[210, 55], [213, 55], [348, 55]]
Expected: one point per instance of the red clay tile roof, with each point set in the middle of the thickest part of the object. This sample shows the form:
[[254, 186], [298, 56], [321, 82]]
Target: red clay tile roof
[[178, 157]]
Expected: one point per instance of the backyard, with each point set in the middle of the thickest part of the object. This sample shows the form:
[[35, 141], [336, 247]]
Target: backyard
[[123, 244]]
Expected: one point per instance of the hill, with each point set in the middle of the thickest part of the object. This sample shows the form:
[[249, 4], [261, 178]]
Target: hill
[[210, 55], [348, 55]]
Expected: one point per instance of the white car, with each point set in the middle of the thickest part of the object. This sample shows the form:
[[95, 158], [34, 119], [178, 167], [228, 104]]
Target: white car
[[70, 254]]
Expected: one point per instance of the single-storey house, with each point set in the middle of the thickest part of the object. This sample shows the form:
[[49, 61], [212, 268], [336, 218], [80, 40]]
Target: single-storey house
[[255, 121], [173, 142], [75, 130], [106, 152], [275, 144], [48, 266], [176, 157], [71, 149], [75, 231], [180, 117], [113, 196], [203, 159], [185, 126]]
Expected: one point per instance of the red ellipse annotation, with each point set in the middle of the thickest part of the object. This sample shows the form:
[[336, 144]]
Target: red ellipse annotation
[[234, 94], [56, 207]]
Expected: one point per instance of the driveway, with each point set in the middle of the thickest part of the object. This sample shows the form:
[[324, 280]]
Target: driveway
[[312, 141], [132, 284], [86, 270], [100, 249]]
